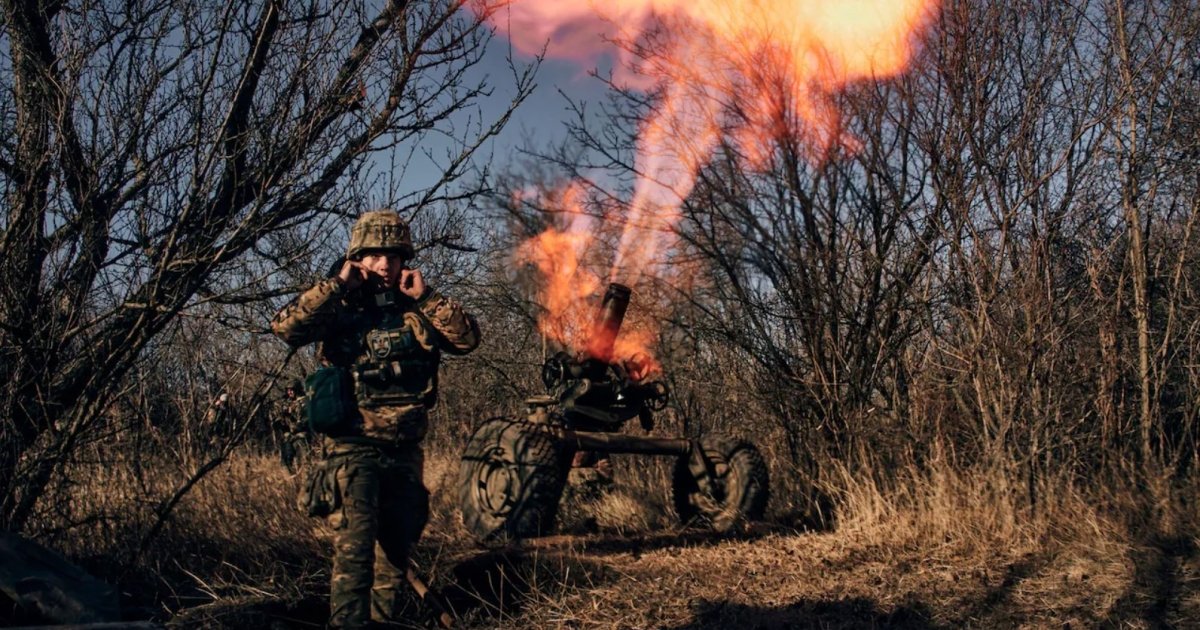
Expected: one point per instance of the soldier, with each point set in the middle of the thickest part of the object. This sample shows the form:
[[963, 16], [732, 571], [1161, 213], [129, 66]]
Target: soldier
[[216, 420], [214, 417], [287, 420], [379, 320]]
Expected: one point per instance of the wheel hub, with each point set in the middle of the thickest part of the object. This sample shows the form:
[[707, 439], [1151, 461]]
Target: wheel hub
[[495, 486]]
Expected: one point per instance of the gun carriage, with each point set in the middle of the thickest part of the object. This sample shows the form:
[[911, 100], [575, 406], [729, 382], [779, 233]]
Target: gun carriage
[[513, 470]]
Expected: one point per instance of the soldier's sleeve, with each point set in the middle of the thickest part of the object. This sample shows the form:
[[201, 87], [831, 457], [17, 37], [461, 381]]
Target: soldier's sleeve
[[309, 316], [459, 330]]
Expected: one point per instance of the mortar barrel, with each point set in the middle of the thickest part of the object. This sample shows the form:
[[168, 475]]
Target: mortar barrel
[[608, 321]]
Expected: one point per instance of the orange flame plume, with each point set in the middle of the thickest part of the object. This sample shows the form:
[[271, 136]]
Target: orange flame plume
[[748, 72], [564, 257]]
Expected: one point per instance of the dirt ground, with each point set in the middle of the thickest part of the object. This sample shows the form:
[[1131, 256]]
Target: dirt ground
[[770, 579], [774, 577], [774, 580]]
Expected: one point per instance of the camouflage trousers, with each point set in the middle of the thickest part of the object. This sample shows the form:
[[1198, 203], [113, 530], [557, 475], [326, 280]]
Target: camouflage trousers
[[384, 508]]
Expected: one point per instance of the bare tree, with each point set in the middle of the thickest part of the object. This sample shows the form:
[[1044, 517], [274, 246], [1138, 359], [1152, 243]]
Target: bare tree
[[1004, 266], [156, 155], [1151, 55]]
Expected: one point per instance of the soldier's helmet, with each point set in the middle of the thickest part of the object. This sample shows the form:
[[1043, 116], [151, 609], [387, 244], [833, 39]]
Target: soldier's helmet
[[380, 231]]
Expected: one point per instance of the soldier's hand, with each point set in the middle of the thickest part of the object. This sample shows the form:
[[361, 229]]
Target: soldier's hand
[[412, 283], [352, 274]]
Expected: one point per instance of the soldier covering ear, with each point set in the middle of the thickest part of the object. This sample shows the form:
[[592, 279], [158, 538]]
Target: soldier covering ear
[[376, 319]]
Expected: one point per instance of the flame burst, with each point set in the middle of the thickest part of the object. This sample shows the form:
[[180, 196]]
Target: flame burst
[[561, 257], [565, 258], [743, 73]]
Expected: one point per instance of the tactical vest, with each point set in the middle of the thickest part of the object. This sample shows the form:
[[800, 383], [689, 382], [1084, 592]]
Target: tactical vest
[[390, 351]]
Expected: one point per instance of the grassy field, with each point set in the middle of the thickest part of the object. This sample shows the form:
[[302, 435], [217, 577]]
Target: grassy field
[[937, 551]]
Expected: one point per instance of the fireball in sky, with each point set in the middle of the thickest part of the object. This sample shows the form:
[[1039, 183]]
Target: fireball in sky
[[742, 73]]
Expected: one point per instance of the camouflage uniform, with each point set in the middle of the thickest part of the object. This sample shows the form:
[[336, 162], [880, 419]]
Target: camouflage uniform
[[289, 424], [377, 464]]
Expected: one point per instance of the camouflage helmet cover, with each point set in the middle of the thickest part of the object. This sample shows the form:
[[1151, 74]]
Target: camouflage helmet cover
[[380, 230]]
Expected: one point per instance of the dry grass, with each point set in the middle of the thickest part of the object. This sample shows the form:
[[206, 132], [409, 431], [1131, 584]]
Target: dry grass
[[933, 549], [942, 550], [236, 536]]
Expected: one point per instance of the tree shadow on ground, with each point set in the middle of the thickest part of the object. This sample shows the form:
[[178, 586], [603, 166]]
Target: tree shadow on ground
[[615, 543], [994, 603], [1156, 586], [497, 584], [854, 612], [255, 612]]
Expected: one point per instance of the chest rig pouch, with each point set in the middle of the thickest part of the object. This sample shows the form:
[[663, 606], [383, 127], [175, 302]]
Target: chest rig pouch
[[396, 368]]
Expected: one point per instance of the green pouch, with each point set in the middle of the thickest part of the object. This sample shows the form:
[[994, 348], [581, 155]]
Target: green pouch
[[331, 406], [320, 495]]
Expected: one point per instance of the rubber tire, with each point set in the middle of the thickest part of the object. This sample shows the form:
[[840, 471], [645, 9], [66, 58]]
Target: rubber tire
[[740, 485], [510, 481]]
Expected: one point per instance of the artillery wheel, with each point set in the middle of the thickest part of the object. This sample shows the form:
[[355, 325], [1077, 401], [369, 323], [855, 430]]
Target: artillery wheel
[[510, 481], [724, 484]]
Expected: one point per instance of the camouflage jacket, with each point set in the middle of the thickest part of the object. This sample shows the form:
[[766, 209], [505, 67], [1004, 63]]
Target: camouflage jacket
[[348, 324], [287, 415]]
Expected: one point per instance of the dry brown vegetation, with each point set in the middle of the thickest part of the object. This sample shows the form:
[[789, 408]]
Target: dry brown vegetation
[[949, 550], [969, 351]]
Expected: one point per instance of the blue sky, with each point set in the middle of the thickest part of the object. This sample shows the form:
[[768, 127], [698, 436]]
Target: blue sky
[[540, 120]]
